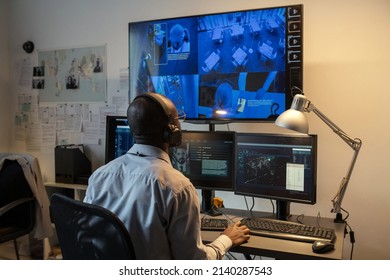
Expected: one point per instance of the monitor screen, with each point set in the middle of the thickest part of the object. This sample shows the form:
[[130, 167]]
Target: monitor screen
[[118, 137], [234, 66], [277, 166], [206, 158]]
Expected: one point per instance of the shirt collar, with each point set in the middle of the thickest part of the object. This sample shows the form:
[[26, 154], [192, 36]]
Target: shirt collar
[[149, 151]]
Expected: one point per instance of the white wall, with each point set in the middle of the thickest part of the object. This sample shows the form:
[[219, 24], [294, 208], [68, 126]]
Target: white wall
[[5, 96], [346, 73]]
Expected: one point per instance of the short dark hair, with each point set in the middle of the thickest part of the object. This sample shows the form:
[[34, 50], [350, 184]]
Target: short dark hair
[[147, 120]]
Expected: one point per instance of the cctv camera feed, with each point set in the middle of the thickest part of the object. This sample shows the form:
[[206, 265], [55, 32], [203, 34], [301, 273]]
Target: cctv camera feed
[[234, 65]]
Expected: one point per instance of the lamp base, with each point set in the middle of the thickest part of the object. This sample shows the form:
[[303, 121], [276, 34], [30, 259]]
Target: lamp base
[[339, 218], [207, 206], [213, 212]]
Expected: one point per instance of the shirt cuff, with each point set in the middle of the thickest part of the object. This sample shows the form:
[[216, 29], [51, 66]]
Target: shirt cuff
[[225, 241]]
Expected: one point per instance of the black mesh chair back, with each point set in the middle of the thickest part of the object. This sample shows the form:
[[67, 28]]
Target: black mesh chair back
[[89, 232], [17, 204]]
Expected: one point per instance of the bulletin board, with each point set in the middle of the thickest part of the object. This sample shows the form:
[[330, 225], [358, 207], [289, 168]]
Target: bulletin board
[[74, 75]]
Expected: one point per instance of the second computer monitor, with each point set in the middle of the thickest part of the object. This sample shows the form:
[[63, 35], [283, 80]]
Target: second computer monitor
[[206, 158], [277, 166], [118, 137]]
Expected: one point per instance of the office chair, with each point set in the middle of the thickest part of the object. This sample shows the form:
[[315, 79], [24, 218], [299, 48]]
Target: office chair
[[89, 232], [17, 204]]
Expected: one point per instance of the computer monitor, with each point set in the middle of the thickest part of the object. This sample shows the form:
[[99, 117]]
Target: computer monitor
[[207, 159], [236, 66], [282, 167], [118, 137]]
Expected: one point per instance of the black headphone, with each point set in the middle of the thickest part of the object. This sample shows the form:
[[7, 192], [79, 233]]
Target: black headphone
[[172, 133]]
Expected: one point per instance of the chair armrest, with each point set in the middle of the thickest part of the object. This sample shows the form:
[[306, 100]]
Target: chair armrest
[[14, 204]]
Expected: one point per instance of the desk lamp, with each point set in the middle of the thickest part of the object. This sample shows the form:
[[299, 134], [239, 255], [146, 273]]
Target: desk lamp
[[294, 119]]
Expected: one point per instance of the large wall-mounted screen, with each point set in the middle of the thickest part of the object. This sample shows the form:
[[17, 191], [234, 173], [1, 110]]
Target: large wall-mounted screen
[[233, 66]]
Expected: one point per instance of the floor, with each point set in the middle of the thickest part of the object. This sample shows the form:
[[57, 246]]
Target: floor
[[7, 252]]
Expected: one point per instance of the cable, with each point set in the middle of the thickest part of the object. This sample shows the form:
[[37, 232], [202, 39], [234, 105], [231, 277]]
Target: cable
[[346, 212], [351, 238], [299, 217], [230, 256], [273, 206], [247, 206], [230, 219], [351, 232], [318, 218]]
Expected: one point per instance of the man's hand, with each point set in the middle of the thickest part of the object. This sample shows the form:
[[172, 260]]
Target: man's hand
[[237, 233]]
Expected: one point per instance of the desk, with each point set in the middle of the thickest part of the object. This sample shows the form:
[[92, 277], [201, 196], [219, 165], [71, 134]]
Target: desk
[[271, 24], [211, 61], [236, 31], [257, 245], [239, 56], [79, 189], [266, 50], [254, 28], [217, 35], [279, 248]]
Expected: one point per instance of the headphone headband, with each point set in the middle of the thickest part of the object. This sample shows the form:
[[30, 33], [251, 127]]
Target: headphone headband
[[172, 133], [157, 98]]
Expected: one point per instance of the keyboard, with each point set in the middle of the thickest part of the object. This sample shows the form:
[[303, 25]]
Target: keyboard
[[214, 224], [288, 230]]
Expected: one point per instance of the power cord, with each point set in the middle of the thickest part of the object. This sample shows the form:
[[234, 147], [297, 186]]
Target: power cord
[[273, 206], [250, 209], [350, 232], [351, 237]]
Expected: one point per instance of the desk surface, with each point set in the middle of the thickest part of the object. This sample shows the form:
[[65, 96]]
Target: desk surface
[[280, 248], [78, 189], [66, 186]]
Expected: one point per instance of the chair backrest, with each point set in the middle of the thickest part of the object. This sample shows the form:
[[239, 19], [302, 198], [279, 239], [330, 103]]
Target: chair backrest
[[89, 232], [14, 186]]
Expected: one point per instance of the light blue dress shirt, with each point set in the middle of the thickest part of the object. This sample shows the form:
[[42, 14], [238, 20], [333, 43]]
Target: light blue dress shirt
[[158, 205]]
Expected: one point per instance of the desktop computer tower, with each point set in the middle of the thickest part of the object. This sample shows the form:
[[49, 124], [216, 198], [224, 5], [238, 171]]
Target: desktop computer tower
[[71, 164]]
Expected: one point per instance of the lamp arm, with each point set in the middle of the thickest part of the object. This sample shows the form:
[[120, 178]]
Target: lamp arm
[[355, 144], [338, 198]]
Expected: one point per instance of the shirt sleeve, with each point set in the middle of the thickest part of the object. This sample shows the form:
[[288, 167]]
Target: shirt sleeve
[[185, 233], [218, 248]]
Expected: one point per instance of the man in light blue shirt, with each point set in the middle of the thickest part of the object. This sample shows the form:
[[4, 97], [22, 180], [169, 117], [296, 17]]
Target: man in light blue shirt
[[158, 205]]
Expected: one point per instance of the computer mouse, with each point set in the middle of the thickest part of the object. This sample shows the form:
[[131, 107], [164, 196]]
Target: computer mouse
[[322, 246]]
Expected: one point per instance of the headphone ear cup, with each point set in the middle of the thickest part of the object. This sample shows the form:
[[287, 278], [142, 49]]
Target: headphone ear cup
[[172, 135]]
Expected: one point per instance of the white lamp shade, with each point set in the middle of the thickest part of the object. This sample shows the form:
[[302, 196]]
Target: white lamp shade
[[294, 120]]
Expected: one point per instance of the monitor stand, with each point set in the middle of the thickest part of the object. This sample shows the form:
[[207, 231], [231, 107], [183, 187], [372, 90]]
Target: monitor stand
[[282, 210], [207, 206]]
